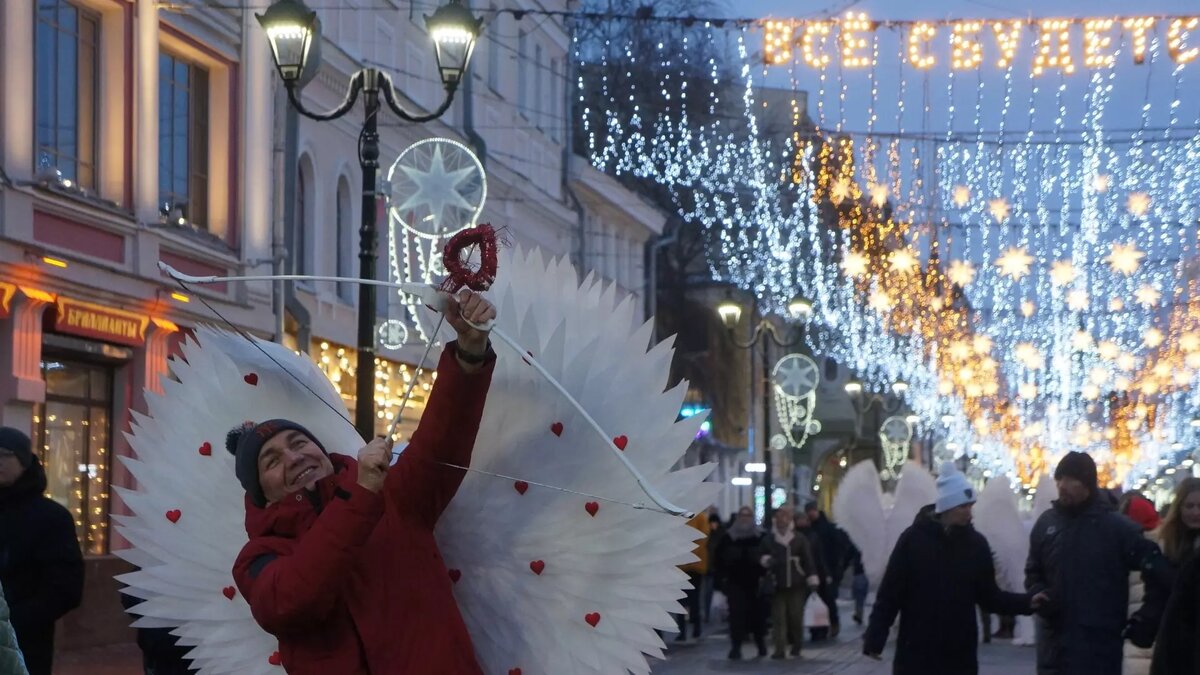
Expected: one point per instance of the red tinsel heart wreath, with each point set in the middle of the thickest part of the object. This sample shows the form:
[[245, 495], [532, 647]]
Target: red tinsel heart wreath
[[456, 259]]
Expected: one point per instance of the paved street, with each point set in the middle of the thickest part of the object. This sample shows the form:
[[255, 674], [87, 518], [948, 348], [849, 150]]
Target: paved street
[[843, 656]]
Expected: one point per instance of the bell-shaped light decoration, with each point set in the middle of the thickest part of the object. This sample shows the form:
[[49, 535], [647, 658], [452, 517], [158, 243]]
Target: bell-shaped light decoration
[[292, 28], [454, 30]]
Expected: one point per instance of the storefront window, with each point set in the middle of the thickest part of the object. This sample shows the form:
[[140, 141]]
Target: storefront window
[[73, 432], [391, 381]]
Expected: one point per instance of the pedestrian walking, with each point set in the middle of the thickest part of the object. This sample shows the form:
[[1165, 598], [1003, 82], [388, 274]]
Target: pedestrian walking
[[715, 531], [696, 572], [1177, 649], [1081, 552], [41, 566], [740, 572], [835, 550], [820, 630], [940, 569], [1138, 509], [860, 586], [792, 572]]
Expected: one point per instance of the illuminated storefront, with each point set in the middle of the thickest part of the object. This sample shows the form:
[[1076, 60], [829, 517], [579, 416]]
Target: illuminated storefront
[[392, 378]]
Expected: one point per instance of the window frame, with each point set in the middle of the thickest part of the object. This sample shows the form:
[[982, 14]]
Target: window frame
[[198, 181], [80, 159]]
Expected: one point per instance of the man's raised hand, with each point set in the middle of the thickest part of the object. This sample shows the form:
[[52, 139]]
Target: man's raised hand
[[373, 461], [470, 307]]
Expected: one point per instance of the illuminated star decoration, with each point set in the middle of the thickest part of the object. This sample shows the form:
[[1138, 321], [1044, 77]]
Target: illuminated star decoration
[[437, 188], [1100, 182], [1081, 340], [879, 193], [1153, 337], [1147, 295], [880, 301], [1116, 305], [1062, 273], [1138, 203], [1077, 300], [999, 209], [854, 264], [839, 191], [1028, 308], [903, 260], [1015, 263], [961, 272], [1125, 258], [962, 195]]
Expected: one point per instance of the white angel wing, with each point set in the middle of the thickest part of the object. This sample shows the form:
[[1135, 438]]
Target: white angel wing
[[1047, 492], [553, 581], [858, 509], [915, 489], [188, 517], [997, 519]]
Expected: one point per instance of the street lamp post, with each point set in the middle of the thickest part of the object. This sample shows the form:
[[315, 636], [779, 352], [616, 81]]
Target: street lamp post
[[294, 32], [799, 309]]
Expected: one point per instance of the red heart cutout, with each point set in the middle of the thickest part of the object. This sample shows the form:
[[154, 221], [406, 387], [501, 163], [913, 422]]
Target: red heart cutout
[[537, 566], [275, 659], [251, 379], [206, 449], [557, 428], [174, 515], [592, 508], [521, 486], [621, 442], [514, 671], [455, 575], [229, 592], [593, 618]]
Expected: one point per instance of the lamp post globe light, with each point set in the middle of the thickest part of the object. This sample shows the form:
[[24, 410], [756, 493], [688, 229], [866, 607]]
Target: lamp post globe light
[[798, 308], [295, 36]]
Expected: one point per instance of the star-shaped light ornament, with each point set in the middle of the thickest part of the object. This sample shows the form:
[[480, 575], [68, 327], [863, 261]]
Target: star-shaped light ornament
[[437, 189], [839, 191], [1127, 361], [999, 209], [1147, 295], [1015, 263], [1027, 390], [1108, 350], [1189, 341], [854, 264], [1062, 273], [982, 344], [1125, 258], [961, 272], [1100, 182], [1081, 340], [960, 350], [879, 193], [962, 195], [1028, 308], [1153, 337], [1116, 305], [903, 260], [1138, 203], [880, 301], [1098, 375], [1077, 300]]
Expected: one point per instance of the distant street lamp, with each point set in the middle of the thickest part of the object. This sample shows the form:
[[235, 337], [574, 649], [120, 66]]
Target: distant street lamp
[[295, 35]]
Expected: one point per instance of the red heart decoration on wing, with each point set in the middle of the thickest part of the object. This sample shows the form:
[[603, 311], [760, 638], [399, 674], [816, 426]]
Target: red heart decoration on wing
[[537, 566], [251, 379], [621, 442], [275, 659], [174, 515], [455, 575], [557, 428], [206, 449], [592, 508], [521, 486], [514, 671], [593, 618], [229, 592]]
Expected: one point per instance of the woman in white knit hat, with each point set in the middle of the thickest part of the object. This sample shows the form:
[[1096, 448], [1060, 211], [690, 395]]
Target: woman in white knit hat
[[939, 571]]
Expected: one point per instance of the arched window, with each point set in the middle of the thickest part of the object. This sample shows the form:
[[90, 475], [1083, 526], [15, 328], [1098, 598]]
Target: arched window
[[346, 241]]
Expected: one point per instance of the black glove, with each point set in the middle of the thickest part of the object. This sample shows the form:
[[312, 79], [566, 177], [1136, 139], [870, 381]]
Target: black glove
[[1140, 632]]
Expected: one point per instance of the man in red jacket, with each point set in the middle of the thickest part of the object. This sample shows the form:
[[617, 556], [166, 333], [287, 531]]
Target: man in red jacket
[[342, 565]]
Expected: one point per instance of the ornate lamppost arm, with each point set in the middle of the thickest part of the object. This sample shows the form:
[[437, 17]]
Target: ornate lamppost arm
[[389, 95], [356, 87]]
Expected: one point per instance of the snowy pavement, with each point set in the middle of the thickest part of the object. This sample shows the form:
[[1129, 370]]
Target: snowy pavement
[[842, 656]]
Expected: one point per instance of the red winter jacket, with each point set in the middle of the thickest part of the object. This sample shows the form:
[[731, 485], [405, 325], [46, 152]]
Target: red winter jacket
[[352, 582]]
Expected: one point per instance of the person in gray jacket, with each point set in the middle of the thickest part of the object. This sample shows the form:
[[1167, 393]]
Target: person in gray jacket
[[791, 573], [1081, 552], [11, 661]]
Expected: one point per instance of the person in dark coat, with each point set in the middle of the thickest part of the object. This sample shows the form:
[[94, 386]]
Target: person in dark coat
[[739, 572], [1081, 552], [792, 572], [804, 525], [835, 552], [1177, 649], [715, 529], [939, 571], [41, 566]]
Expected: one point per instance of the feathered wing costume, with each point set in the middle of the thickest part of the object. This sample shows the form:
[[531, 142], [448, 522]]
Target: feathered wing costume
[[556, 580], [859, 508], [998, 518]]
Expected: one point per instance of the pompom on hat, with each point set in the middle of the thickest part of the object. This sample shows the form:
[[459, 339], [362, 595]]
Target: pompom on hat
[[247, 441]]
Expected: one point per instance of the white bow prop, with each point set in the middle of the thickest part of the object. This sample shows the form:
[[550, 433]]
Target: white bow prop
[[438, 300]]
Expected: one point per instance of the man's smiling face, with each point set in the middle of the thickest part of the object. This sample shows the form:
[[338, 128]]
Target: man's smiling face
[[290, 460]]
